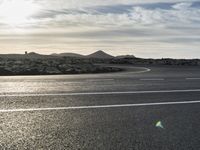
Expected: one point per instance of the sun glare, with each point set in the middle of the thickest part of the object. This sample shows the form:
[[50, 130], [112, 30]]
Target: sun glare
[[15, 12]]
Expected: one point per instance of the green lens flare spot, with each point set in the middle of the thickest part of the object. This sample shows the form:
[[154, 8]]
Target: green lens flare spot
[[159, 125]]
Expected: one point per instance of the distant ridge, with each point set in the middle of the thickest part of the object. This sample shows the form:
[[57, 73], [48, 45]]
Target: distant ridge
[[126, 56], [68, 55], [31, 55], [100, 54]]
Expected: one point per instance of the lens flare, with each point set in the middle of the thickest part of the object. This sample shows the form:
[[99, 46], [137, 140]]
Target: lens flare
[[159, 125]]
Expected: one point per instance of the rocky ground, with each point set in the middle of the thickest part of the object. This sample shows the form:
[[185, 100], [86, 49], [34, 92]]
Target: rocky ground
[[35, 64], [51, 66]]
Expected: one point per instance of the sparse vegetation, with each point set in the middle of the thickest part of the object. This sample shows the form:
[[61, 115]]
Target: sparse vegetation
[[36, 64], [45, 66]]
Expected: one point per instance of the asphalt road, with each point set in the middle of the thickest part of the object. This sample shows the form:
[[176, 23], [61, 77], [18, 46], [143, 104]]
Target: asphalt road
[[102, 111]]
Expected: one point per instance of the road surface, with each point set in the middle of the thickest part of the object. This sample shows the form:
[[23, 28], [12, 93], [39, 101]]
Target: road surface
[[102, 111]]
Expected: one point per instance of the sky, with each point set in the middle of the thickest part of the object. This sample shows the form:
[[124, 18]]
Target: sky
[[144, 28]]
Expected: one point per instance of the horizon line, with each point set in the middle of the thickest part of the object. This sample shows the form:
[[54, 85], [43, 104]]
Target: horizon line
[[67, 52]]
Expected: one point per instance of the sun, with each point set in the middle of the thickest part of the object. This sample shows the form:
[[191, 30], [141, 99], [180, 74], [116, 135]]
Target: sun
[[15, 12]]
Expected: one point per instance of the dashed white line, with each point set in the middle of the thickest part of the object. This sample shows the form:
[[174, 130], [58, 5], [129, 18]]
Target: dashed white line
[[99, 80], [192, 78], [96, 107], [152, 79], [99, 93]]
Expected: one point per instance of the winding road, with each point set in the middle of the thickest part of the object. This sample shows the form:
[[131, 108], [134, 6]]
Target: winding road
[[103, 111]]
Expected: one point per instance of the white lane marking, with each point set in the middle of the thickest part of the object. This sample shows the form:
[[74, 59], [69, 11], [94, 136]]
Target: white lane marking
[[192, 78], [96, 107], [146, 70], [71, 82], [152, 79], [98, 80], [132, 71], [143, 71], [99, 93]]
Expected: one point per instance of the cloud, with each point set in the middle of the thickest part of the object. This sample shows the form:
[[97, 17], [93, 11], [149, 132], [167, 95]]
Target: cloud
[[109, 24], [182, 6], [159, 13], [91, 3]]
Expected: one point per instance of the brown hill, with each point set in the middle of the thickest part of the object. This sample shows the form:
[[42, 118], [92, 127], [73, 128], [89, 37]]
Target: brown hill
[[100, 54], [68, 55]]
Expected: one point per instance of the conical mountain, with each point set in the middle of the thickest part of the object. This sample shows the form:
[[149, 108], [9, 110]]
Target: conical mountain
[[100, 54]]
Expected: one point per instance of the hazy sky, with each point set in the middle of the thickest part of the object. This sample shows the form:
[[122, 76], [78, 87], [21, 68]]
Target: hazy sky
[[145, 28]]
